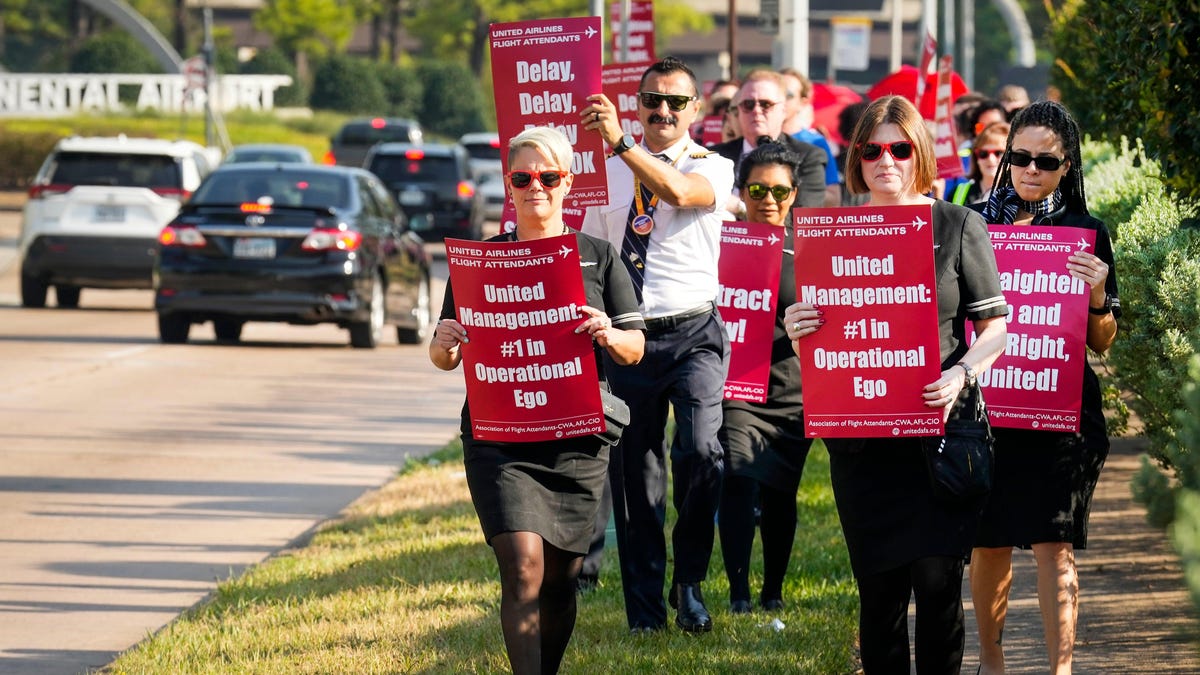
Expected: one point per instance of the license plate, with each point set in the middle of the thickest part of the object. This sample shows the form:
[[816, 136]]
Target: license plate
[[412, 198], [108, 213], [254, 247]]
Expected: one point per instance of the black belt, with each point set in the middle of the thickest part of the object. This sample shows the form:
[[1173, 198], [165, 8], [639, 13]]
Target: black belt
[[668, 322]]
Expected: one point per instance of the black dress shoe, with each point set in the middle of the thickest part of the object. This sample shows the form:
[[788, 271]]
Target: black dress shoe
[[692, 615], [740, 607], [772, 604]]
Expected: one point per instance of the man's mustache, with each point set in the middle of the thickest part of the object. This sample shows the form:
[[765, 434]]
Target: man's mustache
[[655, 118]]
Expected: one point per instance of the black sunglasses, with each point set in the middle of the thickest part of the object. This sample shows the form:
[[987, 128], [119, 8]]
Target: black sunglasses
[[750, 104], [1023, 159], [758, 191], [899, 150], [675, 102], [548, 179]]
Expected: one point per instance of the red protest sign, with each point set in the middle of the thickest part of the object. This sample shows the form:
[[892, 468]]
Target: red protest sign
[[1038, 382], [543, 72], [621, 81], [751, 257], [711, 130], [945, 145], [529, 376], [641, 31], [928, 51], [870, 271]]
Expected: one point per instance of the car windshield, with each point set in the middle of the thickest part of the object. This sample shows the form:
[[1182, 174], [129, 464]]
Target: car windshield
[[115, 169], [393, 169], [264, 155], [366, 134], [284, 188], [482, 150]]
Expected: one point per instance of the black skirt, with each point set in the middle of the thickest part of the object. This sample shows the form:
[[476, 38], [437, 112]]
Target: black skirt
[[1042, 490], [551, 488], [886, 505], [766, 444]]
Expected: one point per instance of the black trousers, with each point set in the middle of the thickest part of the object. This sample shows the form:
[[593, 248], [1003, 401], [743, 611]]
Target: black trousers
[[683, 367], [936, 583]]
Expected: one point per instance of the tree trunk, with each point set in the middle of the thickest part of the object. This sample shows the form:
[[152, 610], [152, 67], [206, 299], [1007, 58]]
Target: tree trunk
[[376, 35], [479, 41], [181, 36], [393, 33]]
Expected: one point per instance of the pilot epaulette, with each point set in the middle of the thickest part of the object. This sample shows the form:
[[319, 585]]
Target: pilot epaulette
[[701, 155]]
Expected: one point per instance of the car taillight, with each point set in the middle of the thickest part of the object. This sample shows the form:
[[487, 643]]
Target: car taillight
[[413, 153], [39, 191], [465, 189], [175, 193], [256, 207], [329, 158], [186, 236], [326, 239]]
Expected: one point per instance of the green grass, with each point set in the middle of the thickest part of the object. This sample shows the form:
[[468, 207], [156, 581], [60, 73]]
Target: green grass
[[403, 583]]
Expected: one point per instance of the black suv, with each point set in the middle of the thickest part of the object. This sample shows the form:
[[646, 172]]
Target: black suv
[[294, 243], [349, 146], [432, 183]]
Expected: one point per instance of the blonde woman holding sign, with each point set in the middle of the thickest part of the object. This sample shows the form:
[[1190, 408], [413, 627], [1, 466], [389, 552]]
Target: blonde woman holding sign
[[902, 541], [537, 501]]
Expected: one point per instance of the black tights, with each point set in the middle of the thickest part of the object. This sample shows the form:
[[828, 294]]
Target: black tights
[[883, 617], [778, 526], [537, 602]]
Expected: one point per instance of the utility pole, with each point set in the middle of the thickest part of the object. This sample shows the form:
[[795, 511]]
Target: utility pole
[[208, 50]]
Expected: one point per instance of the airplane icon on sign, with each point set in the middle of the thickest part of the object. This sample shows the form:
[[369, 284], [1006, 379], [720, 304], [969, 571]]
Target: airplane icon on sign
[[591, 31], [918, 223], [773, 239], [1082, 243]]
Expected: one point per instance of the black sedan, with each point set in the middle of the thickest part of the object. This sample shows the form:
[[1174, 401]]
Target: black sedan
[[296, 244]]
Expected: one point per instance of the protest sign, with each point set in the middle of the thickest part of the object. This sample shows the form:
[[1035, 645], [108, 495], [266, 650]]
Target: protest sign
[[621, 81], [945, 145], [751, 257], [870, 271], [543, 72], [529, 376], [640, 34], [1038, 382]]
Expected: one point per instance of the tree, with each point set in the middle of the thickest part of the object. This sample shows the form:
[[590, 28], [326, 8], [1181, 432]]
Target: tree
[[307, 28], [113, 52]]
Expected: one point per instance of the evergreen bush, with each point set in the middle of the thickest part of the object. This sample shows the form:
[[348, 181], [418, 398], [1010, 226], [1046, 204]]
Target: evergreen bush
[[452, 104], [403, 89], [272, 61], [348, 84], [113, 52]]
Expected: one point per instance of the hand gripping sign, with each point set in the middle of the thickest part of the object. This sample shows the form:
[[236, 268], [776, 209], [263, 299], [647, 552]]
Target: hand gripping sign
[[1038, 382], [543, 72], [870, 270], [529, 376]]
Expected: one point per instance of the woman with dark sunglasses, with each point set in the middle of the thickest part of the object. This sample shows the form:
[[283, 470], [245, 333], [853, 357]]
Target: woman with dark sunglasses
[[765, 446], [1044, 480], [986, 152], [902, 540], [537, 501]]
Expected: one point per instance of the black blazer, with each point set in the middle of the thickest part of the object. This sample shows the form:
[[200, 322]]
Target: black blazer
[[812, 167]]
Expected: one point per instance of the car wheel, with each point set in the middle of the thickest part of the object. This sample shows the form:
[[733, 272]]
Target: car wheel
[[423, 315], [366, 334], [228, 330], [33, 291], [67, 296], [173, 328]]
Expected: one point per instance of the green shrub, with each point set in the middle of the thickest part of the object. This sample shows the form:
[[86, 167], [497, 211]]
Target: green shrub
[[23, 155], [403, 88], [452, 103], [1129, 68], [348, 84], [272, 61], [1118, 181], [113, 52]]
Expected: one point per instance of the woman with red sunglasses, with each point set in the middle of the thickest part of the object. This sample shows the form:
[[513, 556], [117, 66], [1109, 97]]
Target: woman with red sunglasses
[[902, 540], [1044, 480], [537, 501], [986, 152]]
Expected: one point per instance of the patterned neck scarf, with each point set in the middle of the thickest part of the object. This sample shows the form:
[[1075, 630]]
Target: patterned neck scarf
[[1004, 204]]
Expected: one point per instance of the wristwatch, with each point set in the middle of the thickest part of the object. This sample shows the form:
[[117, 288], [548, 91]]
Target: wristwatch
[[970, 380], [624, 144], [1106, 308]]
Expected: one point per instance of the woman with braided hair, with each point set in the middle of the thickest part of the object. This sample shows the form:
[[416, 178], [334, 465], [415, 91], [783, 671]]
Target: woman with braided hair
[[1044, 480]]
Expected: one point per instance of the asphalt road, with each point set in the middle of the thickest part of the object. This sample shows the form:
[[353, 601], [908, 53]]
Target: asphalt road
[[135, 475]]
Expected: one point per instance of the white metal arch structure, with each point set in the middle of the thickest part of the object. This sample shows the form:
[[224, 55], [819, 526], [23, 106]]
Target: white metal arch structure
[[1018, 28], [142, 30]]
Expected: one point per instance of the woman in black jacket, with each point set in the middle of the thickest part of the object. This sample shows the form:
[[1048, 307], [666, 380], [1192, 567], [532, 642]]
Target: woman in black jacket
[[1044, 479]]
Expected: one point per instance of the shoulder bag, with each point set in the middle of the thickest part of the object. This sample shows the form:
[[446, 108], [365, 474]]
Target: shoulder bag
[[616, 417], [960, 463]]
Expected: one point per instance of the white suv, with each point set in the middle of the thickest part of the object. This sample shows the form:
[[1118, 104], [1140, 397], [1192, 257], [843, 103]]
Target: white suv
[[95, 210]]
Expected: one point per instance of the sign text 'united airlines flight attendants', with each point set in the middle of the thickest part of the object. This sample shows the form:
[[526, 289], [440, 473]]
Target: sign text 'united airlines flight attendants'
[[751, 257], [870, 270], [530, 376], [1038, 382], [543, 72]]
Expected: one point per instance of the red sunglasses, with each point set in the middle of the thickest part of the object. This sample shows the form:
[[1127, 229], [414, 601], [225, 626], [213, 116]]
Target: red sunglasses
[[899, 150]]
